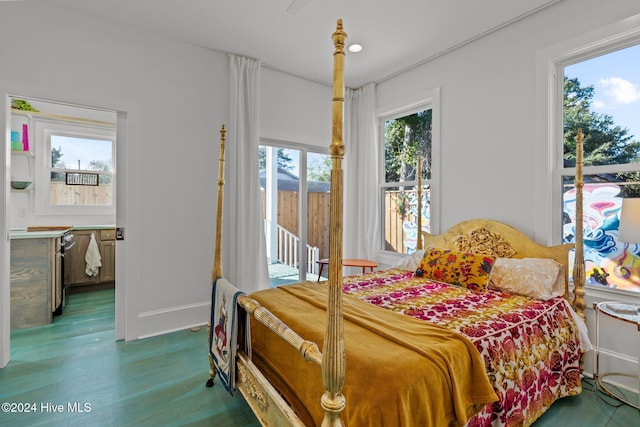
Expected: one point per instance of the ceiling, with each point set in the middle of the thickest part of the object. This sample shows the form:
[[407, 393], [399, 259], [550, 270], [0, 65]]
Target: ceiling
[[295, 35]]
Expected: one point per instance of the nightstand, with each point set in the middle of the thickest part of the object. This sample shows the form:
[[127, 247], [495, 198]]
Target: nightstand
[[627, 313]]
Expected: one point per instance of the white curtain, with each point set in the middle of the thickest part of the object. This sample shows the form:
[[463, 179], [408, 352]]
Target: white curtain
[[244, 249], [361, 193]]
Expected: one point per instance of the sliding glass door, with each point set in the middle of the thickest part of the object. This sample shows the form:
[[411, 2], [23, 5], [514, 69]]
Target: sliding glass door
[[296, 228]]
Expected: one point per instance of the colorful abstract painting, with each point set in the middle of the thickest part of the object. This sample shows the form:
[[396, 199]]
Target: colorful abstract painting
[[608, 262]]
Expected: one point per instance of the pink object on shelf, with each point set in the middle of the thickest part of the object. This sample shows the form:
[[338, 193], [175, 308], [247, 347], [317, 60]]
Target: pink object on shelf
[[25, 137]]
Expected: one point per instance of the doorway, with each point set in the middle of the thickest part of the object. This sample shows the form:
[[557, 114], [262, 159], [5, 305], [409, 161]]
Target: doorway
[[296, 228], [65, 153]]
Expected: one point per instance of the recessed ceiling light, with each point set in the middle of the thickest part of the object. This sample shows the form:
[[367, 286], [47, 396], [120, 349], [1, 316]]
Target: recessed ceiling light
[[355, 47]]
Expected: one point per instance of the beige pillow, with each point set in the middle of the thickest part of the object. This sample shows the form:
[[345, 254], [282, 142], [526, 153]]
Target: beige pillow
[[410, 262], [538, 278]]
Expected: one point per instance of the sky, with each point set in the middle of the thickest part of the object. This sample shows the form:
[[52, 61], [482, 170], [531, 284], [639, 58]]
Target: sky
[[83, 150], [616, 80], [312, 160]]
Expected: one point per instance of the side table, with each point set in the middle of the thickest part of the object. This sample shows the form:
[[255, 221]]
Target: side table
[[350, 262], [622, 311]]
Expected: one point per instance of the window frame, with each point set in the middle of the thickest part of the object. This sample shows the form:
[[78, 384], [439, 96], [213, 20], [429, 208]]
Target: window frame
[[44, 129], [424, 101], [550, 64]]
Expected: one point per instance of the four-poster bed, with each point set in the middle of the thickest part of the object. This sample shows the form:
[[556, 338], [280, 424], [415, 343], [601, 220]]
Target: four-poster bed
[[437, 343]]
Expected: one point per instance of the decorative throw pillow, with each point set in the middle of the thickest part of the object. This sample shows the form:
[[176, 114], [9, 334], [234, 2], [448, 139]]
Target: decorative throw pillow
[[539, 278], [464, 269]]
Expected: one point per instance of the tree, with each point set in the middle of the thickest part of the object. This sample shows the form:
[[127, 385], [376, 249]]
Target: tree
[[101, 165], [604, 143], [56, 155], [405, 138], [284, 161], [321, 170]]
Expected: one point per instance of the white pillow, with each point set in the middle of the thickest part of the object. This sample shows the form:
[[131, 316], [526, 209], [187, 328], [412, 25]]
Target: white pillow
[[538, 278], [410, 262]]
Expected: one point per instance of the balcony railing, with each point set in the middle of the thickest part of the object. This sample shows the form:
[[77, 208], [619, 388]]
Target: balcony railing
[[288, 252]]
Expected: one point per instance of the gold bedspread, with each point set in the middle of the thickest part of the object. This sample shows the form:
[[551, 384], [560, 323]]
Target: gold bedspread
[[400, 370]]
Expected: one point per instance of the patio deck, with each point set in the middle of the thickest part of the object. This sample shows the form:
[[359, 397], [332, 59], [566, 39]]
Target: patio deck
[[283, 274]]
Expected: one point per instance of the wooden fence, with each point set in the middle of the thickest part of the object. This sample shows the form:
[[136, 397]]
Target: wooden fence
[[318, 219], [63, 194], [400, 208], [317, 216]]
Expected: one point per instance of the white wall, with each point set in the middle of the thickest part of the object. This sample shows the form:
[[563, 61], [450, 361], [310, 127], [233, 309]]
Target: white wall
[[172, 99], [493, 155], [488, 114]]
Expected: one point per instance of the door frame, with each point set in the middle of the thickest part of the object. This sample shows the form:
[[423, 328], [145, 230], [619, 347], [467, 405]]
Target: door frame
[[303, 151], [127, 195]]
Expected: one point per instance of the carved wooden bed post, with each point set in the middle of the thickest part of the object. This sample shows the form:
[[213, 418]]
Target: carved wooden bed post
[[419, 243], [217, 257], [578, 266], [333, 354], [216, 273]]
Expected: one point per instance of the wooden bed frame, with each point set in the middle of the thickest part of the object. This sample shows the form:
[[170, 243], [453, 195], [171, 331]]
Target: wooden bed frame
[[478, 235]]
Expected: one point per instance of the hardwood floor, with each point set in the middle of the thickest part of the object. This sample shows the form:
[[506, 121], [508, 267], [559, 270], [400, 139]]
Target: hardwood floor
[[75, 362], [591, 408], [159, 381]]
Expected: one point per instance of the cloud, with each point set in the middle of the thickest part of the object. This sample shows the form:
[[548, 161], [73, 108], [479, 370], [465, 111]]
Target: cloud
[[622, 91]]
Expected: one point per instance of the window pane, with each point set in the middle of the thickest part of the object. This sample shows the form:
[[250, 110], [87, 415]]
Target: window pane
[[71, 187], [404, 139], [280, 178], [400, 217], [608, 263], [318, 168], [318, 211], [80, 153], [602, 97], [80, 195]]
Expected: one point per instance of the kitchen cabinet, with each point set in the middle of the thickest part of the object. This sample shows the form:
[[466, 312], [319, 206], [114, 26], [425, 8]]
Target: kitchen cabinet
[[75, 264], [32, 275], [107, 245]]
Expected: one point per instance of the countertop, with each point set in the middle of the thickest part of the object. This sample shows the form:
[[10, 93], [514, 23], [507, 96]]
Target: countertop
[[22, 233]]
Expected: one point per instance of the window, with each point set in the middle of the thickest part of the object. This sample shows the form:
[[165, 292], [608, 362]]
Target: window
[[601, 96], [81, 171], [407, 140], [77, 170]]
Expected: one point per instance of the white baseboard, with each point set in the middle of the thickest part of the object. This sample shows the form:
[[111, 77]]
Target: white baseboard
[[159, 322]]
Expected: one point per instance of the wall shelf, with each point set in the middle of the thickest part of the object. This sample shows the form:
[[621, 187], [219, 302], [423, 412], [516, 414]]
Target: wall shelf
[[22, 161], [22, 153]]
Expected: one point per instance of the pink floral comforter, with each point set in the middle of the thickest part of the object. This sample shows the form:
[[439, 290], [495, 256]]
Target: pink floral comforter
[[530, 348]]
